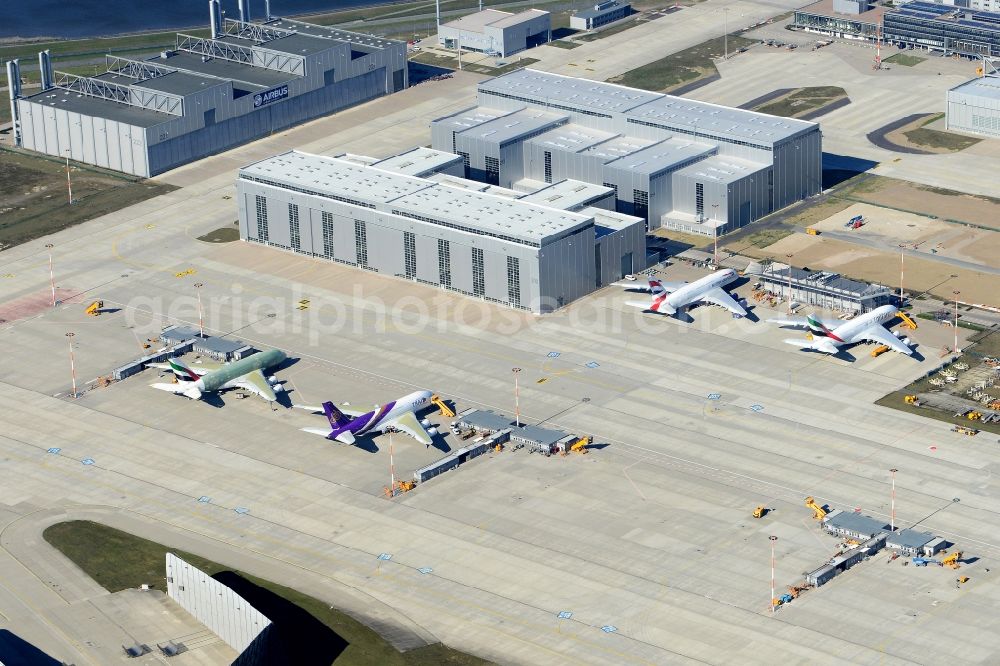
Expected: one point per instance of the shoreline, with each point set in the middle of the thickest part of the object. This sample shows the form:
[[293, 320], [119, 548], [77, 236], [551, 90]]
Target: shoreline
[[17, 40]]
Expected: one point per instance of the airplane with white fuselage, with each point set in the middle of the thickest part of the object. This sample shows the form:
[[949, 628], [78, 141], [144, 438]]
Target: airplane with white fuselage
[[669, 298], [207, 376], [346, 425], [829, 335]]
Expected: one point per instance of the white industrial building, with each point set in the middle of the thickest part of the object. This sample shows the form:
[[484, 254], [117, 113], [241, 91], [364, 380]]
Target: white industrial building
[[824, 289], [497, 33], [679, 163], [204, 95], [413, 216], [600, 15], [974, 106]]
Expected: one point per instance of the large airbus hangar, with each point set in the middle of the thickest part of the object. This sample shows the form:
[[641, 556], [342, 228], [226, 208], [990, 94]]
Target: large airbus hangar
[[680, 163], [204, 95], [410, 216]]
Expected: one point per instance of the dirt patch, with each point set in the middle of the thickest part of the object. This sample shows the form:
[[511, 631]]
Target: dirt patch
[[32, 304], [223, 235], [904, 59], [933, 201], [911, 135], [34, 198], [873, 265], [802, 101], [682, 67]]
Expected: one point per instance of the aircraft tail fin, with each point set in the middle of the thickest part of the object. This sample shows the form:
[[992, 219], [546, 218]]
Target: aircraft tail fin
[[336, 417], [181, 369]]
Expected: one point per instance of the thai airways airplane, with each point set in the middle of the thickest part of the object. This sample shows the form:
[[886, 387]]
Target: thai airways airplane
[[828, 335], [194, 380], [346, 425], [669, 298]]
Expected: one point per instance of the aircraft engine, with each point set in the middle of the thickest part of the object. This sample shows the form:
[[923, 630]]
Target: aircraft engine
[[425, 423], [432, 432]]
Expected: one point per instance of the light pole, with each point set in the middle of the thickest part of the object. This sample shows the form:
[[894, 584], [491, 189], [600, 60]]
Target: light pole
[[956, 320], [201, 319], [902, 251], [715, 216], [72, 362], [69, 182], [517, 398], [725, 12], [52, 277], [892, 506], [772, 539]]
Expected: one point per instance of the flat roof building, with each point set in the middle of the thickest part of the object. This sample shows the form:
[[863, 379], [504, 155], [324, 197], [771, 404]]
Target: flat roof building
[[841, 18], [974, 106], [600, 15], [909, 542], [534, 252], [825, 289], [204, 95], [497, 33], [854, 525], [678, 163], [951, 29]]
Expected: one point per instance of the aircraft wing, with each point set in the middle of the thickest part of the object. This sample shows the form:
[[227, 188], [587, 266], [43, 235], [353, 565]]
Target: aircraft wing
[[661, 307], [881, 336], [409, 424], [180, 388], [319, 410], [817, 344], [256, 383], [197, 368], [638, 285], [719, 296]]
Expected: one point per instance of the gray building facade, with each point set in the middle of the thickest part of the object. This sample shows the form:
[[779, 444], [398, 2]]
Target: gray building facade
[[536, 252], [825, 289], [678, 163], [497, 33], [974, 106], [205, 95]]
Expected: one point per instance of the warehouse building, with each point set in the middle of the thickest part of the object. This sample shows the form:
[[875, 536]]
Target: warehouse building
[[974, 106], [535, 252], [678, 163], [846, 19], [497, 33], [947, 28], [204, 95], [824, 289], [600, 15]]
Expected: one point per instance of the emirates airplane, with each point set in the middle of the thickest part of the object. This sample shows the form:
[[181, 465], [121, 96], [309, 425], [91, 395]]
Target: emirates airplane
[[829, 335], [670, 298]]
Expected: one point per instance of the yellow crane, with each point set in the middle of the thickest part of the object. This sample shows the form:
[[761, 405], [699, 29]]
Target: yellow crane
[[94, 309], [952, 560], [818, 511], [580, 445], [446, 411]]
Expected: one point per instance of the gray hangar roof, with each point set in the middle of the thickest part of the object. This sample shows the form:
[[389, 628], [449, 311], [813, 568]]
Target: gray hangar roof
[[572, 138], [983, 86], [471, 117], [663, 156], [427, 200], [568, 91], [514, 125], [101, 108], [910, 538], [695, 116], [855, 522]]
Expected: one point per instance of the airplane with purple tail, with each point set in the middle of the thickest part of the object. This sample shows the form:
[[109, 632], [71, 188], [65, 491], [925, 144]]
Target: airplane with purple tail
[[346, 425]]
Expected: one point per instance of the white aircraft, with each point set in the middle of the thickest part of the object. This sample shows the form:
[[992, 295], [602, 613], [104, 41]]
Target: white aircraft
[[669, 298], [346, 425], [828, 335], [208, 376]]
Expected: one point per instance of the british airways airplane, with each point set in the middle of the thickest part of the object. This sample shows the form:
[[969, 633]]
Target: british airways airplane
[[828, 335], [346, 425], [669, 298]]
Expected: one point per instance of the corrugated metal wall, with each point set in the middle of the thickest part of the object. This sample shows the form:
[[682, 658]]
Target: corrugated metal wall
[[972, 113], [216, 606]]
